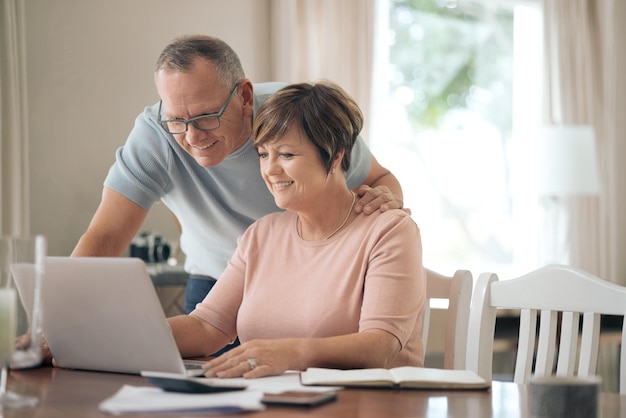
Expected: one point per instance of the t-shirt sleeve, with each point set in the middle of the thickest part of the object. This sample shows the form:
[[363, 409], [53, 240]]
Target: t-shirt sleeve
[[395, 287], [141, 167], [221, 305]]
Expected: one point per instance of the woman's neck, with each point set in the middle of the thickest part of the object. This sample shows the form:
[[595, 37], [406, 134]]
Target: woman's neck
[[329, 222]]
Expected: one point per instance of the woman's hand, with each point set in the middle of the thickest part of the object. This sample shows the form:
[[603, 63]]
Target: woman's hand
[[255, 358], [24, 341]]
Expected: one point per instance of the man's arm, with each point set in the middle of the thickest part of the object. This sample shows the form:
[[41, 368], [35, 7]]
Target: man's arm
[[380, 190], [112, 227]]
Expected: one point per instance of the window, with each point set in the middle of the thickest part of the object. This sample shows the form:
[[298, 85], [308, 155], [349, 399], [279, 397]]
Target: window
[[456, 99]]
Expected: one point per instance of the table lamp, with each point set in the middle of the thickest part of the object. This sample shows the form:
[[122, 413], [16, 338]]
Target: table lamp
[[566, 167]]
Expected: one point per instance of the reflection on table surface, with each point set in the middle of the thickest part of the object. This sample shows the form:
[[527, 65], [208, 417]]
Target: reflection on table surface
[[72, 394]]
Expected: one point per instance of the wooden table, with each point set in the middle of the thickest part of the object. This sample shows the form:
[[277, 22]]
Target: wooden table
[[76, 394]]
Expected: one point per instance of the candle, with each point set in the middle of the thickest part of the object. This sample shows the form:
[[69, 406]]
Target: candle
[[8, 307]]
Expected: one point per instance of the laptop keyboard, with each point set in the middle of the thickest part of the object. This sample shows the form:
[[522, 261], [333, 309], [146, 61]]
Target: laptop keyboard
[[193, 367]]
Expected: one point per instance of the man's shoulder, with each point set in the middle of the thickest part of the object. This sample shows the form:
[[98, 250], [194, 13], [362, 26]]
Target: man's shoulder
[[263, 90], [147, 136]]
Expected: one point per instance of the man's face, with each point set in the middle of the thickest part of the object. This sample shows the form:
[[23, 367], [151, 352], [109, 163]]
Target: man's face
[[197, 92]]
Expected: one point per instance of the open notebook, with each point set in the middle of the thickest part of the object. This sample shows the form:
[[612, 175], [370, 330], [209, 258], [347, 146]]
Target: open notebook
[[103, 313], [400, 377]]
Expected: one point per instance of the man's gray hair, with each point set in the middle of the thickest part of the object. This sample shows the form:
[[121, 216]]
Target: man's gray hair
[[180, 54]]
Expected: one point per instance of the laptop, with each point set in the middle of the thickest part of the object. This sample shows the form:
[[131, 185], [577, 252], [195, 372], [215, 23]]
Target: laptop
[[103, 314]]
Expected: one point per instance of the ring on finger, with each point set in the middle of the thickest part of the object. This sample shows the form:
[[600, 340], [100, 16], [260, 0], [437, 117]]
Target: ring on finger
[[252, 363]]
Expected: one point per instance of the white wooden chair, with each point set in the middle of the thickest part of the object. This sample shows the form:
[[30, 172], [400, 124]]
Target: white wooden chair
[[458, 291], [562, 294]]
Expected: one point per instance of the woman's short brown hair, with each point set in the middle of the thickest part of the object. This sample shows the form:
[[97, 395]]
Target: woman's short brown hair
[[327, 115]]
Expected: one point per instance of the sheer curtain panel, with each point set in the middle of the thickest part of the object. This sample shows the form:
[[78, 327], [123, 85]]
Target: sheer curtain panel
[[14, 206], [584, 57], [325, 39]]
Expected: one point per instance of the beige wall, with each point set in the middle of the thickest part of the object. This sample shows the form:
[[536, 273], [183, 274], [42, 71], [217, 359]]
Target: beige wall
[[89, 73]]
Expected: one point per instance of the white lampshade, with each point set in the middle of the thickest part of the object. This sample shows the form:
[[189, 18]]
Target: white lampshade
[[566, 161]]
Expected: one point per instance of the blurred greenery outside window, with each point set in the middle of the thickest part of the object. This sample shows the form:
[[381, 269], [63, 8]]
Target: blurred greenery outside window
[[457, 91]]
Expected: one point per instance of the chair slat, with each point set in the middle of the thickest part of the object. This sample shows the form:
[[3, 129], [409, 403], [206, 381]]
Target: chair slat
[[525, 345], [546, 343], [589, 345], [622, 364], [568, 346]]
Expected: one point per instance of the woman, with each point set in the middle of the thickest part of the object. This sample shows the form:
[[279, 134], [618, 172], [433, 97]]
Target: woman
[[316, 285]]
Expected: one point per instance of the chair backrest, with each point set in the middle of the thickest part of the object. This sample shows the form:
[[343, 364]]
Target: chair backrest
[[458, 291], [561, 294]]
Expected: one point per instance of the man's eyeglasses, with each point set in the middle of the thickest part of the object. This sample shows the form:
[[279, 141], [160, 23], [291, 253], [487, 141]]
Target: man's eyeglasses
[[202, 122]]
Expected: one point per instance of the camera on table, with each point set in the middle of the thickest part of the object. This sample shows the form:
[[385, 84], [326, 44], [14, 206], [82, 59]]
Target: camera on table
[[150, 247]]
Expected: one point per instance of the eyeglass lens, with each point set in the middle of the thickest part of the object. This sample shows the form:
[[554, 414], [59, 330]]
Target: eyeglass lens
[[204, 123]]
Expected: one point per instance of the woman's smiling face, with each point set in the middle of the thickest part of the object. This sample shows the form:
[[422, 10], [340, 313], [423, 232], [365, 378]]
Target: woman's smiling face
[[293, 170]]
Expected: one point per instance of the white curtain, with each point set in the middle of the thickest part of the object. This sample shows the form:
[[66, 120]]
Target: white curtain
[[14, 200], [325, 39], [585, 62]]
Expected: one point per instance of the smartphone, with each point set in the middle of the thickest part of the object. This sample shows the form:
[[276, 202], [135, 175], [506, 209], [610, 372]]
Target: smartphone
[[299, 398], [171, 382]]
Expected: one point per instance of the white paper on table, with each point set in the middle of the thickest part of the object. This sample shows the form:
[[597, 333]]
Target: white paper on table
[[151, 399], [289, 380]]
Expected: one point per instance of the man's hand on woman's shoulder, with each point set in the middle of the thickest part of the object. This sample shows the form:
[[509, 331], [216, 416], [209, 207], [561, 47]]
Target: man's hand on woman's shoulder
[[376, 198]]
